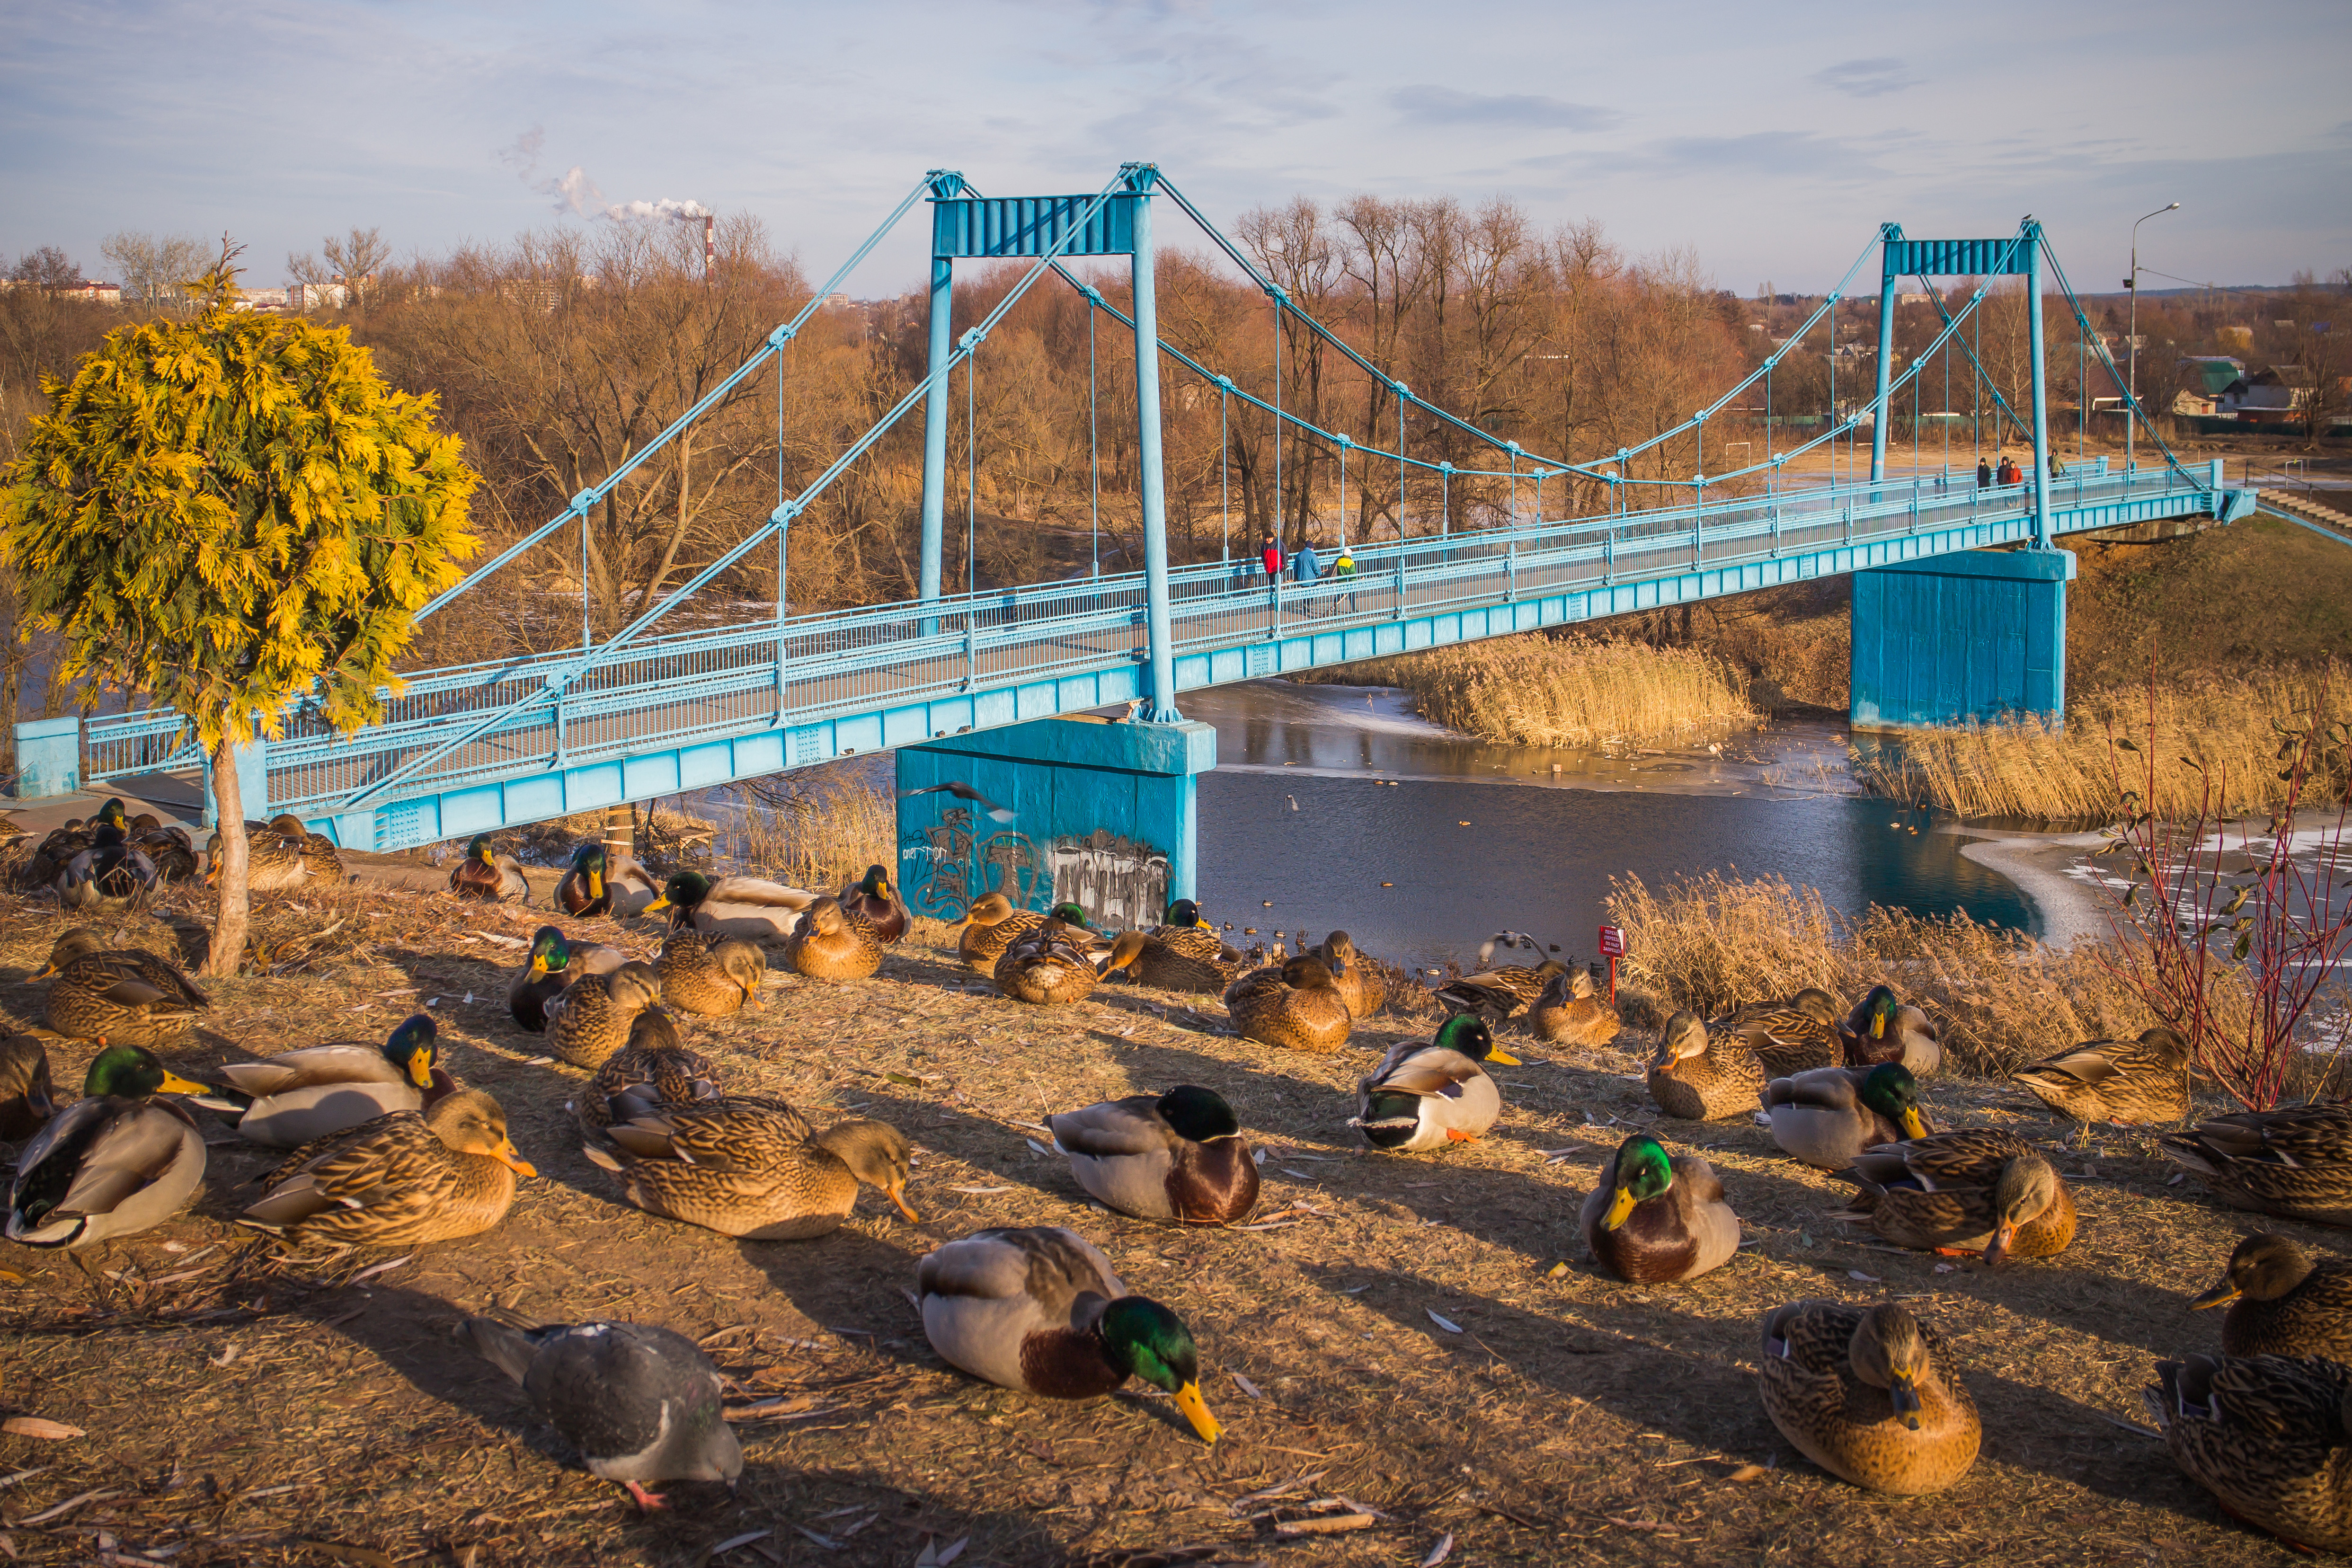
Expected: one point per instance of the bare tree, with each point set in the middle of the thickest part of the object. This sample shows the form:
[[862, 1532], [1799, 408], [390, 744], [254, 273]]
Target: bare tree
[[351, 263], [46, 268], [156, 268]]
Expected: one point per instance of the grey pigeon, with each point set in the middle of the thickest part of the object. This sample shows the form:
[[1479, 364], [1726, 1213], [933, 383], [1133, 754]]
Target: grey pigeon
[[638, 1403]]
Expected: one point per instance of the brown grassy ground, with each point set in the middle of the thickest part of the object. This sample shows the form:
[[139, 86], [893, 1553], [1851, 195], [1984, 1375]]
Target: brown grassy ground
[[241, 1410]]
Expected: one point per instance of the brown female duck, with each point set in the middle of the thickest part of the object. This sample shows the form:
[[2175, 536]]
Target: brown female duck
[[2283, 1302], [1869, 1395], [1697, 1077], [1976, 1190], [1296, 1006], [2139, 1080]]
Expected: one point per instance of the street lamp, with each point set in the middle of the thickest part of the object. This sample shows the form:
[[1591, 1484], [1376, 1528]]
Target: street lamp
[[2131, 386]]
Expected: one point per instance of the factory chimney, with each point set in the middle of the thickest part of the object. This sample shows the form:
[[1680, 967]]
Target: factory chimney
[[710, 245]]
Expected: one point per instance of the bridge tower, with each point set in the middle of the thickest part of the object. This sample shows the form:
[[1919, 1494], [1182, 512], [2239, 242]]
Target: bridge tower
[[1977, 634], [1103, 815]]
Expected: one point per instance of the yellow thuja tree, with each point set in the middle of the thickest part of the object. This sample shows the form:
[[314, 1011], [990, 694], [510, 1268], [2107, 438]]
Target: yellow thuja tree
[[228, 512]]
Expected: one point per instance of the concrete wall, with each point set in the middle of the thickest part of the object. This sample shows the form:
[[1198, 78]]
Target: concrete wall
[[1104, 817], [1960, 638]]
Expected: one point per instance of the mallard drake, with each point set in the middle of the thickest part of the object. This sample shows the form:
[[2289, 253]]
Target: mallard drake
[[1424, 1096], [61, 844], [27, 1099], [118, 996], [2281, 1302], [1497, 994], [605, 881], [273, 862], [872, 897], [114, 1162], [171, 850], [488, 876], [1828, 1116], [2295, 1163], [1881, 1028], [717, 976], [1360, 984], [1039, 1309], [1178, 1155], [1976, 1190], [1178, 957], [587, 1022], [1571, 1009], [2117, 1080], [1696, 1077], [2265, 1434], [319, 857], [110, 877], [556, 964], [767, 912], [1654, 1220], [750, 1167], [1791, 1037], [1869, 1395], [654, 1072], [407, 1178], [1053, 961], [1294, 1005], [296, 1097], [636, 1402], [834, 942]]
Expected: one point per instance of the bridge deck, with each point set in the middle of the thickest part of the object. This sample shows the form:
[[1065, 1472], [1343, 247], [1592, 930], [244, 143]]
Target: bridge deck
[[483, 745]]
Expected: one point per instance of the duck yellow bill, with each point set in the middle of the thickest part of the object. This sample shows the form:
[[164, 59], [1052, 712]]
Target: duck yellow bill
[[659, 903], [1878, 1026], [175, 1084], [420, 1070], [1914, 1125], [897, 1192], [1621, 1209], [511, 1157], [2220, 1295], [1495, 1053], [1196, 1411], [595, 884], [538, 965]]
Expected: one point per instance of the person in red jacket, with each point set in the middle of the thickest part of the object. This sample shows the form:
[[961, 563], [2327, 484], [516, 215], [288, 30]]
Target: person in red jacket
[[1270, 556]]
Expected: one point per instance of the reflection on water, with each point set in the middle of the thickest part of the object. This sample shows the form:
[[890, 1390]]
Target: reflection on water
[[1319, 837]]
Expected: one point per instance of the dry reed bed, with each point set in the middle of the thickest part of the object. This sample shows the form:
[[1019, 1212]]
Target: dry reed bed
[[2223, 730], [1546, 690], [1713, 943], [242, 1411]]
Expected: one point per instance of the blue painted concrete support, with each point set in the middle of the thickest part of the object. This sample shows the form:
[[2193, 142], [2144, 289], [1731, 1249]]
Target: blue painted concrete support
[[935, 426], [48, 757], [1161, 705], [2041, 398], [1105, 816], [1955, 638], [252, 783], [1888, 234]]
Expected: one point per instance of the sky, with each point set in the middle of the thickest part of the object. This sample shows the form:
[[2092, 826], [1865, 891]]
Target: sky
[[1770, 140]]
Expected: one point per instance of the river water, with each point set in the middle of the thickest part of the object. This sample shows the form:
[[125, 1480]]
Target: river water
[[1336, 806]]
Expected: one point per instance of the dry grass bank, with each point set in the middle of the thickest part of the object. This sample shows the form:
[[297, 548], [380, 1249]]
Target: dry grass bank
[[1713, 943], [242, 1410], [1542, 690], [2225, 729]]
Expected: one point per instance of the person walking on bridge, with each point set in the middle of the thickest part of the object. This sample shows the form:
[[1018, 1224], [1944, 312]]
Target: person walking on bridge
[[1269, 554], [1984, 474]]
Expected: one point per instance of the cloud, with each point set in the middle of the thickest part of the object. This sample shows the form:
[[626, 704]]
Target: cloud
[[1429, 104], [1866, 78]]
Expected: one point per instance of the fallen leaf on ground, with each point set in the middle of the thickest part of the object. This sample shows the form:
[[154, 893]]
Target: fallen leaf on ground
[[40, 1427], [1448, 1324]]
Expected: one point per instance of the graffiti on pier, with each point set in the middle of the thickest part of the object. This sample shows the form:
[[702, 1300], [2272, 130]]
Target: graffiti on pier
[[1118, 882], [1121, 884]]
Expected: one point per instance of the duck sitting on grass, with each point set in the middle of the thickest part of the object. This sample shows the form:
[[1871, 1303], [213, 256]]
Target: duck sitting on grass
[[1424, 1096], [1652, 1219]]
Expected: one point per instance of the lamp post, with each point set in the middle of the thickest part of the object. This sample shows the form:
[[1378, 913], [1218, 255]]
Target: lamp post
[[2131, 385]]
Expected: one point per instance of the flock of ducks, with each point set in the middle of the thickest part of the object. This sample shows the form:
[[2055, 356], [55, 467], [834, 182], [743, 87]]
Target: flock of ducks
[[384, 1147]]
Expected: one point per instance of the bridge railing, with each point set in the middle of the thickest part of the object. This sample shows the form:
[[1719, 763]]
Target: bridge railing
[[573, 705]]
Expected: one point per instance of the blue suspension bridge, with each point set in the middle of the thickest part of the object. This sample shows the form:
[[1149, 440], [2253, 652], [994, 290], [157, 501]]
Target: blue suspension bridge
[[982, 686]]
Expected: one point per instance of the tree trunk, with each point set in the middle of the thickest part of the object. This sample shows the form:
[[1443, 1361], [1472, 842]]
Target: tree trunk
[[228, 930], [620, 837]]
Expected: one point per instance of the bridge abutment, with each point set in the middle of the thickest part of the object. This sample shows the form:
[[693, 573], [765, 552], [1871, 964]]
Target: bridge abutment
[[1104, 816], [1971, 636]]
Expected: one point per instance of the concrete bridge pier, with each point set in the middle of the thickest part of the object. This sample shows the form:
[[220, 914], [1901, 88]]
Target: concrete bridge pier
[[1104, 816], [1970, 637]]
